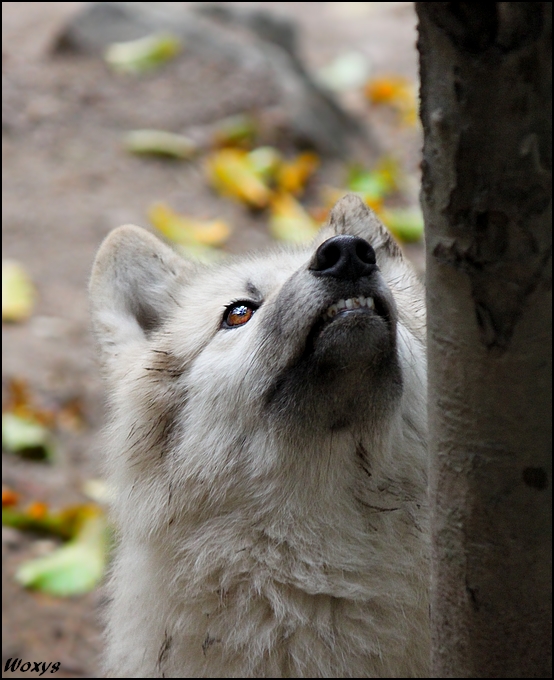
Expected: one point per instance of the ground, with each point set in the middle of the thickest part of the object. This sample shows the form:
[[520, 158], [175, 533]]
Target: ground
[[66, 183]]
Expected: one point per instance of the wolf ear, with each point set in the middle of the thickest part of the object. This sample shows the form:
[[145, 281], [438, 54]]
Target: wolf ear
[[351, 215], [133, 288]]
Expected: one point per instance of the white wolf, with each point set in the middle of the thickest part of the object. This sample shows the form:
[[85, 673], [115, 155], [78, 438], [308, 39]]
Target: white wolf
[[268, 448]]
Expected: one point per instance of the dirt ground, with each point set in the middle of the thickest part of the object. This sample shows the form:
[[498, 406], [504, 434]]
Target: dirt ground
[[66, 184]]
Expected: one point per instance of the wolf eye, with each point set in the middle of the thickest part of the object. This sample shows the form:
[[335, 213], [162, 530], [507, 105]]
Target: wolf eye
[[238, 313]]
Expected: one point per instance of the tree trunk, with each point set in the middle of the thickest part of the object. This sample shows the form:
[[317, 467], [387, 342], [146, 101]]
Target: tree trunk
[[486, 108]]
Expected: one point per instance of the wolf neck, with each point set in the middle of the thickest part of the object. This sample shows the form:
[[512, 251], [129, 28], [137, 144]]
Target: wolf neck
[[279, 479], [273, 572], [326, 502]]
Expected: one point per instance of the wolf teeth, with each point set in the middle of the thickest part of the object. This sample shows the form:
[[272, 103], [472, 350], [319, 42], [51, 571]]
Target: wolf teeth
[[351, 303]]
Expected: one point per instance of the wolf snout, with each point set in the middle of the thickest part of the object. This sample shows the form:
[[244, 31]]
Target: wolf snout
[[344, 257]]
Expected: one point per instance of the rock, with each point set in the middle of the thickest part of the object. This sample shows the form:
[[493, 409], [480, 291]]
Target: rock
[[251, 40], [272, 28]]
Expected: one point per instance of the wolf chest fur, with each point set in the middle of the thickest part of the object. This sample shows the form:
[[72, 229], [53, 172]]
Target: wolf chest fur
[[268, 450]]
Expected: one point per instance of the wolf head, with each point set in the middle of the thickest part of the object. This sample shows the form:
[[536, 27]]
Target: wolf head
[[267, 362], [268, 448]]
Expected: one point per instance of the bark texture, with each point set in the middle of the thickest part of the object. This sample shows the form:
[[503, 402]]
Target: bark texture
[[486, 108]]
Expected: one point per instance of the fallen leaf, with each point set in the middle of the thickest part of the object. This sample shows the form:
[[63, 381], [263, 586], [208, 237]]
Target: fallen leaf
[[238, 130], [144, 54], [37, 511], [68, 415], [38, 518], [9, 497], [71, 415], [346, 72], [160, 143], [98, 490], [188, 231], [406, 224], [26, 437], [289, 221], [266, 162], [368, 184], [19, 401], [389, 170], [293, 175], [232, 174], [74, 568], [18, 292], [394, 91], [376, 184]]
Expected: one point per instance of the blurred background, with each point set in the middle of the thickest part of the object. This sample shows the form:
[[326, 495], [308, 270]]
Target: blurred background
[[221, 128]]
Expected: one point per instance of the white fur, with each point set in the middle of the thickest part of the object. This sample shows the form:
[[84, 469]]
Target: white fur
[[248, 545]]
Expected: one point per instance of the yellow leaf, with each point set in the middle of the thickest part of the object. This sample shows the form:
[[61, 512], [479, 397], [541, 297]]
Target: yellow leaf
[[186, 230], [289, 221], [230, 171], [144, 54], [18, 292], [293, 175]]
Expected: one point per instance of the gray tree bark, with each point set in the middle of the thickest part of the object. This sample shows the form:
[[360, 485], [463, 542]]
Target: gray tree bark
[[486, 108]]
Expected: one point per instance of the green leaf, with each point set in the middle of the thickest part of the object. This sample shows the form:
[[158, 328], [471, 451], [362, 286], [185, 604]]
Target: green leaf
[[265, 161], [405, 223], [160, 143], [368, 183], [144, 54], [377, 183], [26, 437], [238, 130], [76, 567]]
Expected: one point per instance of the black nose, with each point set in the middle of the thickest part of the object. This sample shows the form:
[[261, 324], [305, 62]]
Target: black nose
[[344, 257]]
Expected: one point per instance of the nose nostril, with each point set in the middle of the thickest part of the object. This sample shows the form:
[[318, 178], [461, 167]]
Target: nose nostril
[[329, 256], [365, 252]]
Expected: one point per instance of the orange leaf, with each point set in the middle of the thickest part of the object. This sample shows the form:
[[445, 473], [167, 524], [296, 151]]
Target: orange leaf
[[9, 497], [394, 91], [20, 403], [293, 175], [37, 511]]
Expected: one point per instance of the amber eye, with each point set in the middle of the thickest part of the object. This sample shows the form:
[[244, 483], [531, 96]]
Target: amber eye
[[238, 313]]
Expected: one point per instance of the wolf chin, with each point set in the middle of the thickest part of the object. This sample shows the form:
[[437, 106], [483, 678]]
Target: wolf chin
[[268, 452]]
